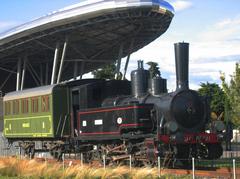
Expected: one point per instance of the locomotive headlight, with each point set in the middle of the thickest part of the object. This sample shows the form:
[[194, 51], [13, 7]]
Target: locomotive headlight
[[172, 126], [219, 126], [119, 120]]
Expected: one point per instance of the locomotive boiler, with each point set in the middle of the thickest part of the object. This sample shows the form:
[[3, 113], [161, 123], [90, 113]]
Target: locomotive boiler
[[179, 118], [116, 118]]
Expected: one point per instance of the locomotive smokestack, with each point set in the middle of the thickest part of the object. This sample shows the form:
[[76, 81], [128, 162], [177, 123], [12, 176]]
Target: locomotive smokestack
[[139, 80], [181, 60]]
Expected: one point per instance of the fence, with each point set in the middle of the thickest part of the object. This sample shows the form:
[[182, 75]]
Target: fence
[[234, 151]]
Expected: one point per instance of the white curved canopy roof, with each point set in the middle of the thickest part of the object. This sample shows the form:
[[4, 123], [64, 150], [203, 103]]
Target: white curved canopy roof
[[80, 11], [95, 30]]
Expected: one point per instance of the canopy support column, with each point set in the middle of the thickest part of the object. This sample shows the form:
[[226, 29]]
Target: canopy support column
[[55, 64], [117, 73], [62, 60], [23, 72], [75, 71], [82, 69], [128, 58], [18, 74]]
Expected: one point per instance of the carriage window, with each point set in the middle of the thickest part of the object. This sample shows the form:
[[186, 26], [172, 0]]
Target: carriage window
[[7, 108], [24, 105], [15, 107], [45, 103], [34, 105]]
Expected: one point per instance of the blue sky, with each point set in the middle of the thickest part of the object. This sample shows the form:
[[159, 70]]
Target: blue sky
[[211, 26]]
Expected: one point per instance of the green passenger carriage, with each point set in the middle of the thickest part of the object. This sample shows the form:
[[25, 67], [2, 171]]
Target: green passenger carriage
[[42, 112]]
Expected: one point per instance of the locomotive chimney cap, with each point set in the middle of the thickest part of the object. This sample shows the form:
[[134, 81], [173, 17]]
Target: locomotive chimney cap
[[140, 64]]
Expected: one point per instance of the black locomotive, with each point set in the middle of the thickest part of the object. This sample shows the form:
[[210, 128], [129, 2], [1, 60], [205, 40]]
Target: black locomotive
[[139, 118], [151, 122]]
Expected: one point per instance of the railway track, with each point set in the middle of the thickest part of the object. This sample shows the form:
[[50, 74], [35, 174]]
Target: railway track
[[222, 173]]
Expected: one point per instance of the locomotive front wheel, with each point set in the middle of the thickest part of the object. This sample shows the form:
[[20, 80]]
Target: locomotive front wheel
[[214, 151]]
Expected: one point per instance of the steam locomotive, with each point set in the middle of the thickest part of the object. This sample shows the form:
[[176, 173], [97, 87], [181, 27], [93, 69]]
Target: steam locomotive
[[116, 118]]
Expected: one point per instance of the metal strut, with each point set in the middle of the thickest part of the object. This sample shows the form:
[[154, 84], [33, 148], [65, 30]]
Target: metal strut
[[128, 58], [23, 72], [82, 69], [117, 73], [18, 74], [55, 63], [75, 71], [62, 60]]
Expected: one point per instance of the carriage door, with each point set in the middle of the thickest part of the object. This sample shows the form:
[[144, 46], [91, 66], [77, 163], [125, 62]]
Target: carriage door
[[75, 108]]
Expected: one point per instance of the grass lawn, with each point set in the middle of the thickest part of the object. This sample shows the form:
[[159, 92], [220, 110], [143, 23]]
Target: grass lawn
[[14, 168]]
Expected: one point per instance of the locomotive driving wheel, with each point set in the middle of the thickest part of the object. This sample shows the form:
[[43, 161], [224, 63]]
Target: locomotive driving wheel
[[105, 152], [88, 157], [56, 150], [114, 154], [148, 163], [203, 151], [57, 153]]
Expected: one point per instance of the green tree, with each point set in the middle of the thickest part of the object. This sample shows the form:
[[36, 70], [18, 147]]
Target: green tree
[[232, 91], [154, 69], [107, 72], [216, 96]]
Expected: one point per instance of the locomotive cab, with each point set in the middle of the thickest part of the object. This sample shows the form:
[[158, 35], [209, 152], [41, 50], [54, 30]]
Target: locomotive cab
[[89, 94]]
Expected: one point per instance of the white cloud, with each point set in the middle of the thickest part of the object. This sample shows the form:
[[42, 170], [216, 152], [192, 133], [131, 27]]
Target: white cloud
[[181, 5], [211, 70], [214, 50], [228, 22], [211, 51], [217, 49], [227, 29]]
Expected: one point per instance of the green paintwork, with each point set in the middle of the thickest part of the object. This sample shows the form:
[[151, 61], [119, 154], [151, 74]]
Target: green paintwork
[[60, 110], [40, 124]]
